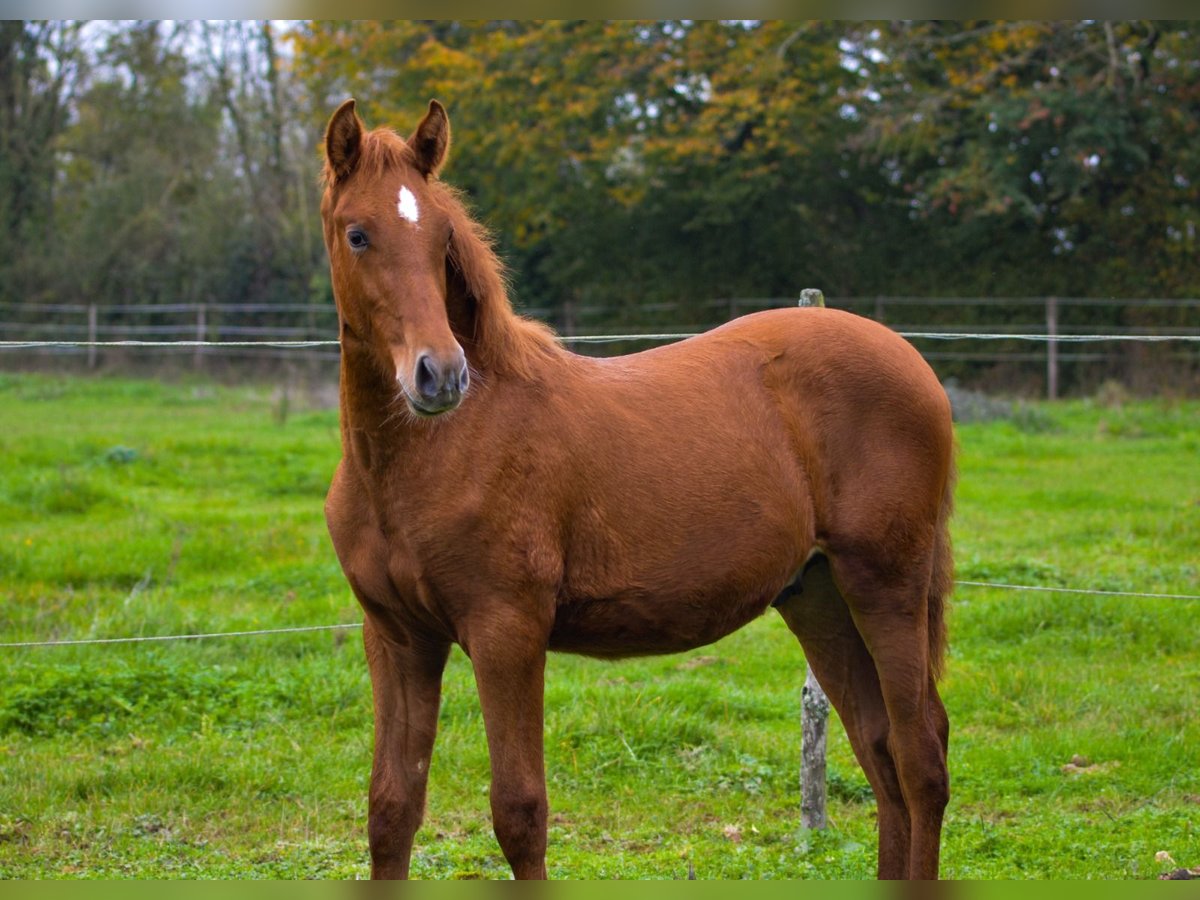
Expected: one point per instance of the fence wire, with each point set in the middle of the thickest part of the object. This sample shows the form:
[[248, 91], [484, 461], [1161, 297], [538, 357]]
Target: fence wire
[[615, 338], [584, 339], [141, 639], [76, 642]]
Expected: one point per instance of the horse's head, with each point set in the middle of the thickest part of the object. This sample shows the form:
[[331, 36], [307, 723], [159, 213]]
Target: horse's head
[[388, 238]]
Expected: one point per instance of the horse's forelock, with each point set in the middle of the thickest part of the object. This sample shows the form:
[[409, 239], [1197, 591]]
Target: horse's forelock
[[385, 151]]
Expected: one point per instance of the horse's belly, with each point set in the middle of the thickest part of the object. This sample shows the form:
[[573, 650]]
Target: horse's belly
[[691, 576], [638, 625]]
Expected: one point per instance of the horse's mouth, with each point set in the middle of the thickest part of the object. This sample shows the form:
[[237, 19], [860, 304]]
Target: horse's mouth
[[431, 409]]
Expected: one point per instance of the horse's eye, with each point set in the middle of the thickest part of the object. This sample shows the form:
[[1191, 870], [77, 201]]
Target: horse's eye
[[357, 238]]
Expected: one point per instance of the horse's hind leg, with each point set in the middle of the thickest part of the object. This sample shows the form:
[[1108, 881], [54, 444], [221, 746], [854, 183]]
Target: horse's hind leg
[[891, 614], [406, 687], [819, 617]]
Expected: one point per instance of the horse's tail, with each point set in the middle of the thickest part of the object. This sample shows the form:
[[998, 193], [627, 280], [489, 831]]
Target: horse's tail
[[942, 582]]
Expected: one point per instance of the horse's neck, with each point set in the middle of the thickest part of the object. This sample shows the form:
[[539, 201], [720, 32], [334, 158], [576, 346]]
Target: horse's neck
[[379, 430], [372, 406], [372, 409]]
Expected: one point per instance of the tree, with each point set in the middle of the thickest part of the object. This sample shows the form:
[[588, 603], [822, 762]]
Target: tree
[[182, 179], [270, 156], [40, 67], [1056, 157], [140, 206], [628, 162]]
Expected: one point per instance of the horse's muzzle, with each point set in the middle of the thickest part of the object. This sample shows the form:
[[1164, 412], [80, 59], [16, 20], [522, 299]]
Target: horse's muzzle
[[438, 384]]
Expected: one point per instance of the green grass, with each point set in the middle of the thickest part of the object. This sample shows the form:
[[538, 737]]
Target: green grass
[[140, 508]]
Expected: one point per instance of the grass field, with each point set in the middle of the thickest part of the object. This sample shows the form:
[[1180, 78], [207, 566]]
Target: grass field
[[141, 508]]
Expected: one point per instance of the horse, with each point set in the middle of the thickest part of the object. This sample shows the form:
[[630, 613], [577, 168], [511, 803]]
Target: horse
[[501, 493]]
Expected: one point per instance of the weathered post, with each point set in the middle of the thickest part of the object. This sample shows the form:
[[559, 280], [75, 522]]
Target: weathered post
[[814, 710], [814, 719], [201, 334], [568, 317], [1052, 348], [92, 331]]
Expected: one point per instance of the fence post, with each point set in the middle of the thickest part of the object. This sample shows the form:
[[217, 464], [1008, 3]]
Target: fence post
[[568, 317], [201, 333], [814, 720], [1052, 348], [93, 330], [811, 297], [814, 709]]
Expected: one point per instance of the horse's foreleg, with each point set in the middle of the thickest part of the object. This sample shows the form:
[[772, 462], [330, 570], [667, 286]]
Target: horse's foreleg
[[509, 672], [406, 687]]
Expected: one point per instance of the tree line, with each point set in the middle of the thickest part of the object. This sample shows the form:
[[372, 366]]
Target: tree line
[[622, 164]]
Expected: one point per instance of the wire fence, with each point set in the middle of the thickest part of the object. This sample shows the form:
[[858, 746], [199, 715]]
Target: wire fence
[[614, 338], [141, 639], [1043, 343], [205, 328]]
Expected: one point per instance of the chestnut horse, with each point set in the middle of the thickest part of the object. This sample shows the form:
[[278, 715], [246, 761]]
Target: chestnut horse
[[503, 494]]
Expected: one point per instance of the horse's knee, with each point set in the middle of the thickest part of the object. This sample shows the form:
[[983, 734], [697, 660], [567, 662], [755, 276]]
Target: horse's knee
[[519, 820], [518, 813], [879, 751], [926, 785], [392, 816], [935, 787], [392, 821]]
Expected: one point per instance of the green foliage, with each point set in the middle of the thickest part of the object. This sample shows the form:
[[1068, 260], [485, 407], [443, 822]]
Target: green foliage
[[40, 65], [249, 757], [648, 168], [1062, 136], [627, 163]]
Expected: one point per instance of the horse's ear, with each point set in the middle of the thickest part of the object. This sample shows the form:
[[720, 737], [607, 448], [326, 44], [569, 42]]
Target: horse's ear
[[431, 140], [343, 140]]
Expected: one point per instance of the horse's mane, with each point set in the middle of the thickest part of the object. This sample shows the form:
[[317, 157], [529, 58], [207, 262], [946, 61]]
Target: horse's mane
[[503, 341]]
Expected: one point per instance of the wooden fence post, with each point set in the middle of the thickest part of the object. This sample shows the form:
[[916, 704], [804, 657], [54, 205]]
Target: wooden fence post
[[811, 297], [568, 317], [814, 710], [201, 333], [1052, 348], [93, 330], [814, 720]]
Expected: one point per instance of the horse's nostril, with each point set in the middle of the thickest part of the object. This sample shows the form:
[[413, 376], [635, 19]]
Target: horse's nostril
[[427, 378], [464, 379]]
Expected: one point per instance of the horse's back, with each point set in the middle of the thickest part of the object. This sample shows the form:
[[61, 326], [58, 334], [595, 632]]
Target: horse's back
[[820, 349], [835, 379]]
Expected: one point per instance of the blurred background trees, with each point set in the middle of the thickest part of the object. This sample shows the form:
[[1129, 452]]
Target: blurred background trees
[[620, 164]]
